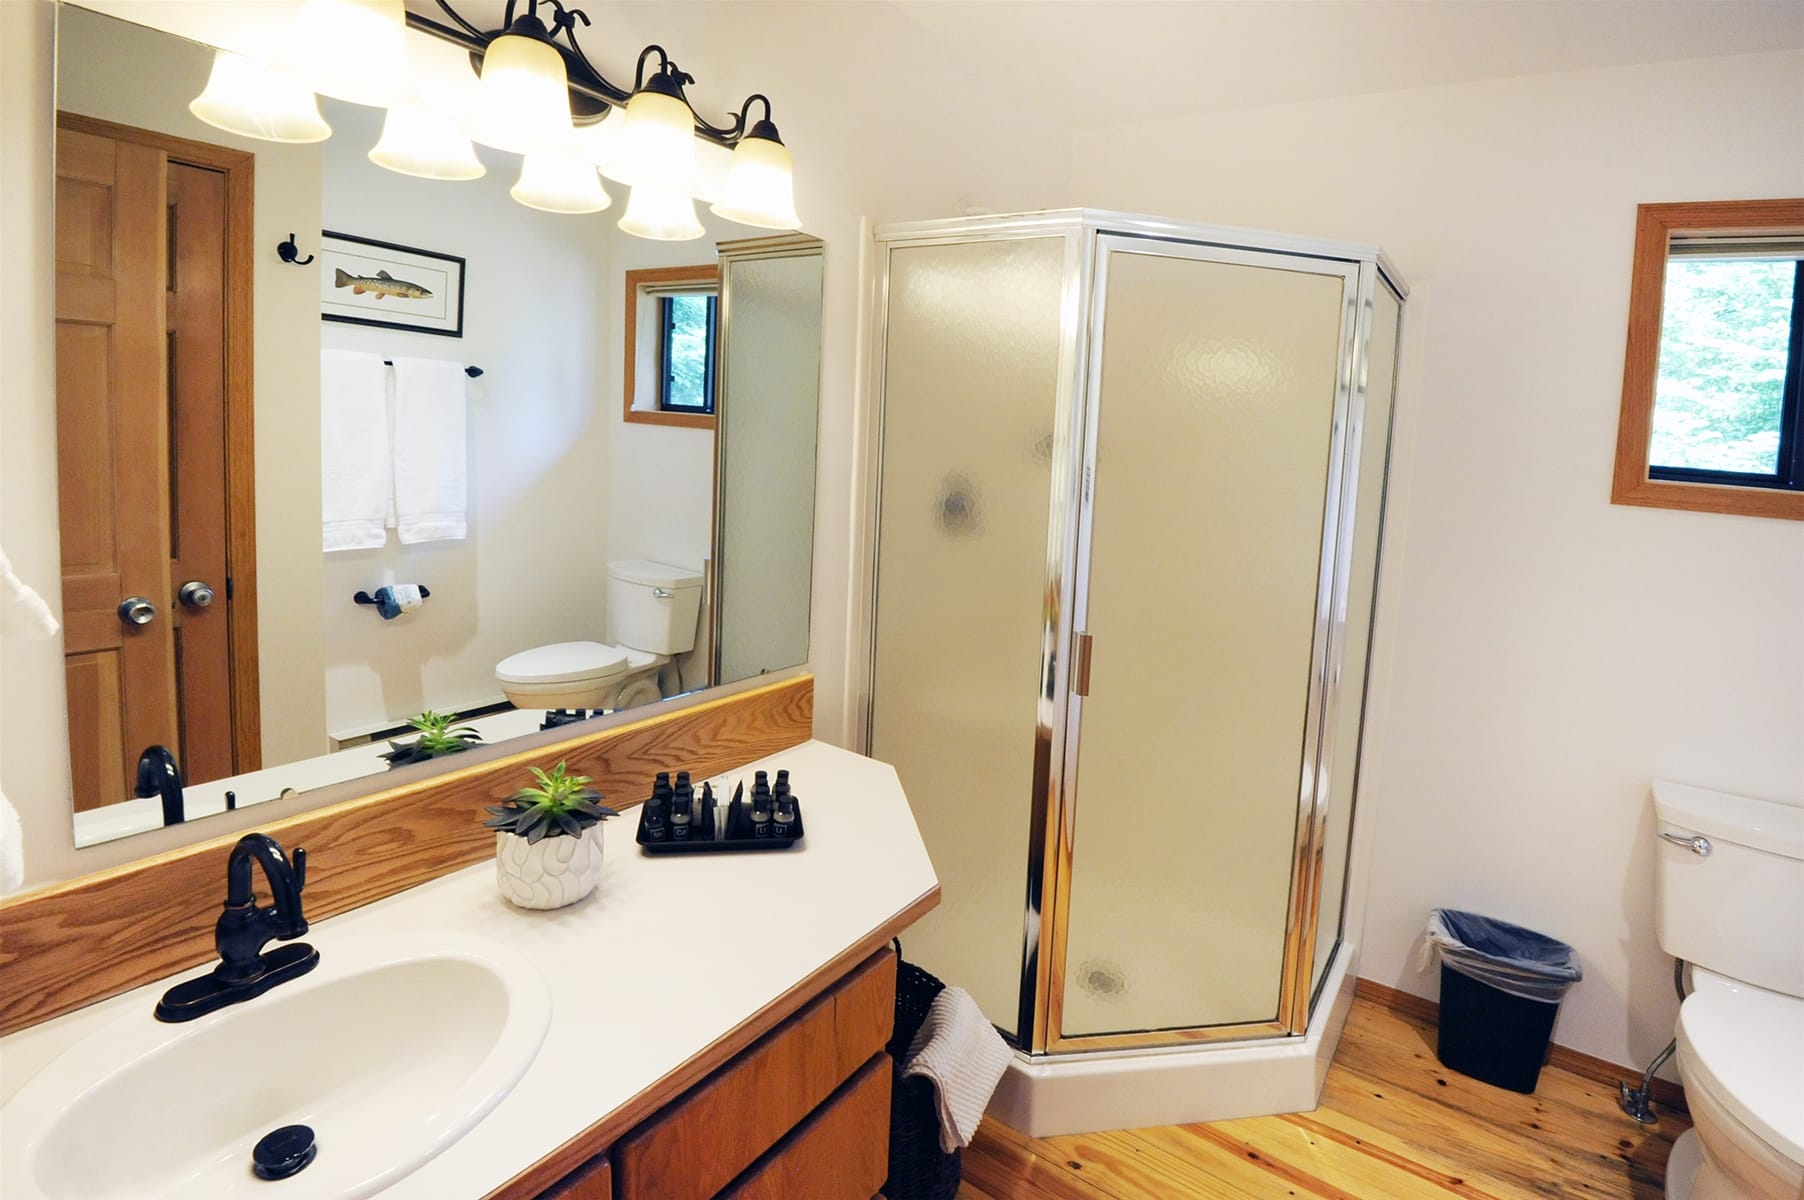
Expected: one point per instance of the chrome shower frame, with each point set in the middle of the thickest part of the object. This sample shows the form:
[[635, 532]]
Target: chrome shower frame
[[1091, 237]]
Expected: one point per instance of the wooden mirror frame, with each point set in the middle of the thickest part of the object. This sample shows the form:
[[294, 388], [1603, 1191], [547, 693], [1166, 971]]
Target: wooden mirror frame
[[1655, 226]]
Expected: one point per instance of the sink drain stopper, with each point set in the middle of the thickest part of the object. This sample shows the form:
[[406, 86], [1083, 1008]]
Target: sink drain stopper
[[283, 1152]]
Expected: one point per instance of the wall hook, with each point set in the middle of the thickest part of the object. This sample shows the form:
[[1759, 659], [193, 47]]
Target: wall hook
[[290, 253]]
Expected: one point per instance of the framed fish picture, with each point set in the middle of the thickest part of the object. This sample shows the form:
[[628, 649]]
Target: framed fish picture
[[366, 282]]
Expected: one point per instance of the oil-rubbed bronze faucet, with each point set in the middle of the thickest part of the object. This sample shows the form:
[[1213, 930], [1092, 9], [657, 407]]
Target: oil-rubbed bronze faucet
[[244, 970]]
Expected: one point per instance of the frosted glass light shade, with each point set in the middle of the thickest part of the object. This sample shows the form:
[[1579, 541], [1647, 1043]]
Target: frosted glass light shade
[[760, 186], [248, 98], [600, 144], [657, 143], [353, 50], [661, 215], [560, 183], [417, 141], [523, 103]]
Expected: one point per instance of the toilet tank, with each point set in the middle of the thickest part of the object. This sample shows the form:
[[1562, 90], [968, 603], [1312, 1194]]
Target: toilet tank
[[1739, 909], [653, 606]]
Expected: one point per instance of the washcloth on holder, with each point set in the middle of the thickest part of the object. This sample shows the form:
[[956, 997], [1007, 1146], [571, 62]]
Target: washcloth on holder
[[960, 1052]]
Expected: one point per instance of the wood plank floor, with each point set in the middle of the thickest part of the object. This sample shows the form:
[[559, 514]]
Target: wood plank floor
[[1394, 1125]]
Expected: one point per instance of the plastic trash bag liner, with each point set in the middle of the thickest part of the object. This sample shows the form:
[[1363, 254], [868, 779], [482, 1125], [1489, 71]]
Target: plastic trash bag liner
[[1507, 957]]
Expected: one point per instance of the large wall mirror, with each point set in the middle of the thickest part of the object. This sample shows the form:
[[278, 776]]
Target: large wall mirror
[[240, 477]]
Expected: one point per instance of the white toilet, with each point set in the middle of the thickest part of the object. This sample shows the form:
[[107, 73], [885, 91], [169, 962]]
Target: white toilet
[[1731, 904], [652, 610]]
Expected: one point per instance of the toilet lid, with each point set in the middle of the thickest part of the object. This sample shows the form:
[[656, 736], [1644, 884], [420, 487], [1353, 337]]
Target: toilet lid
[[1747, 1046], [563, 662]]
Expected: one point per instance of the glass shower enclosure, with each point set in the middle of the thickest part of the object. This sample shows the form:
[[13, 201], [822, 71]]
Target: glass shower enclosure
[[1129, 499]]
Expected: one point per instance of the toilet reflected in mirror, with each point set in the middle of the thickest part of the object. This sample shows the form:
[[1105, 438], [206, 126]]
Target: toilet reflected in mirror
[[651, 617]]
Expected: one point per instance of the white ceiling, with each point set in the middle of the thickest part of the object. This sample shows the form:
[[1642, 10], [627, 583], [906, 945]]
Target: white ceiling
[[1096, 63]]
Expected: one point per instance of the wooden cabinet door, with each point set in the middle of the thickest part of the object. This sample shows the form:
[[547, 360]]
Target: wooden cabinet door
[[112, 457], [197, 407], [152, 315], [841, 1152]]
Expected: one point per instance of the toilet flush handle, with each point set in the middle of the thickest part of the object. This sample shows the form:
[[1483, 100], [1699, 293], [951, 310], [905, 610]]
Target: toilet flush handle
[[1699, 845], [661, 593]]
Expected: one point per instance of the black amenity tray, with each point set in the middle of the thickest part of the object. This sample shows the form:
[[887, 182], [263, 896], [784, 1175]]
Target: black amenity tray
[[723, 845]]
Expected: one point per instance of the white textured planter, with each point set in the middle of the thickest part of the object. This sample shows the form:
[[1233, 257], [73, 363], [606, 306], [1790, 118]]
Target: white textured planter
[[549, 873]]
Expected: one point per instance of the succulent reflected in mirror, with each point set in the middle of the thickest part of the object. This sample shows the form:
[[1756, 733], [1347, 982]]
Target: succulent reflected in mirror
[[561, 805], [439, 735]]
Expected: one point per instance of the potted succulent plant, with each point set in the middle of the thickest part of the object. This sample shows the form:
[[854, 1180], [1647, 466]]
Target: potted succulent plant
[[439, 735], [548, 840]]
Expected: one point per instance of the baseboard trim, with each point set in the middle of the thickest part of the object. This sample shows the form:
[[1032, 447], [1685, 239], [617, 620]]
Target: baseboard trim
[[1665, 1093]]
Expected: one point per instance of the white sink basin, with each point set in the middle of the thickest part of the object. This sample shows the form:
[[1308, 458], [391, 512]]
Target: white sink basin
[[391, 1049]]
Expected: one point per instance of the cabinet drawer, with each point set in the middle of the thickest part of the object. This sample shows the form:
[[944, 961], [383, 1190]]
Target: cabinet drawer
[[841, 1152], [591, 1181], [702, 1141]]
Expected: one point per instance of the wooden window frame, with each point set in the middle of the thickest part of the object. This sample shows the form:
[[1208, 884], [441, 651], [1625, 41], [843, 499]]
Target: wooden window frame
[[1655, 226], [636, 283]]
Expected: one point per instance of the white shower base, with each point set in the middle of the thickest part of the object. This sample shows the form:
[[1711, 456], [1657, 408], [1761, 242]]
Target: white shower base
[[1082, 1093]]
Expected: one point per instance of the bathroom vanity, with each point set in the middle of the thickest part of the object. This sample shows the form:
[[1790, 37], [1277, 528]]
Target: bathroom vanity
[[716, 1025]]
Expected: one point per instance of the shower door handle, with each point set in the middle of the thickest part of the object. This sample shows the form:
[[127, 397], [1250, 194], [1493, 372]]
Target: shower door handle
[[1080, 664]]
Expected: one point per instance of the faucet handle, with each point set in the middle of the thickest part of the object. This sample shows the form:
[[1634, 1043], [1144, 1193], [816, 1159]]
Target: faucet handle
[[300, 868]]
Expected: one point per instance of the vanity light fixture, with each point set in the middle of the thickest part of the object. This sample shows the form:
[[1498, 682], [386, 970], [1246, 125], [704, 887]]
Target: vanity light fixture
[[353, 50], [420, 141], [254, 100], [538, 96], [559, 183], [661, 215]]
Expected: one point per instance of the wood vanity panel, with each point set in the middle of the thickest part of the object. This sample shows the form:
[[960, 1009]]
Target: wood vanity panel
[[603, 1133], [595, 1181], [841, 1152], [864, 1013], [71, 944], [697, 1145]]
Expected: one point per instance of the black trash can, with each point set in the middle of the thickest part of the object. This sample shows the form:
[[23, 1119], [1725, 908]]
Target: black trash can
[[1501, 986]]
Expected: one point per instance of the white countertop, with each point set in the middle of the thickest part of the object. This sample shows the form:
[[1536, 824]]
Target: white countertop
[[669, 954]]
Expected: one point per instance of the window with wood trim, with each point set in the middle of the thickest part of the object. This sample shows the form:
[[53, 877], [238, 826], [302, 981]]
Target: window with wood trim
[[671, 335], [1713, 379]]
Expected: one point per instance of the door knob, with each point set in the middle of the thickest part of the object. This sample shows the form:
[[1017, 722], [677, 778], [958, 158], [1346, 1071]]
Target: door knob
[[137, 610], [196, 594]]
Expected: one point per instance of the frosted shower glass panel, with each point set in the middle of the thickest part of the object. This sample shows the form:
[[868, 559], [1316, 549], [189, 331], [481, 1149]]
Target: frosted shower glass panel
[[771, 358], [1362, 575], [970, 381], [1216, 411]]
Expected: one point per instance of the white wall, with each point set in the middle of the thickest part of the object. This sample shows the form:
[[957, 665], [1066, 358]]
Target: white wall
[[1540, 653], [532, 569]]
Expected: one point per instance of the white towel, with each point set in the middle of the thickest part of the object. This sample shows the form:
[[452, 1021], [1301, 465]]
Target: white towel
[[23, 613], [354, 457], [430, 490], [961, 1052], [12, 849]]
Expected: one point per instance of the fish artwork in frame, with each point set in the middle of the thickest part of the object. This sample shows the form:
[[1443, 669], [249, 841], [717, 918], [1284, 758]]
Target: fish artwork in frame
[[366, 282]]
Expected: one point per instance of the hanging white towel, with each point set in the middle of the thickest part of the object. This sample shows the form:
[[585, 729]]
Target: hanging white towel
[[23, 613], [354, 456], [12, 848], [430, 488], [960, 1051]]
